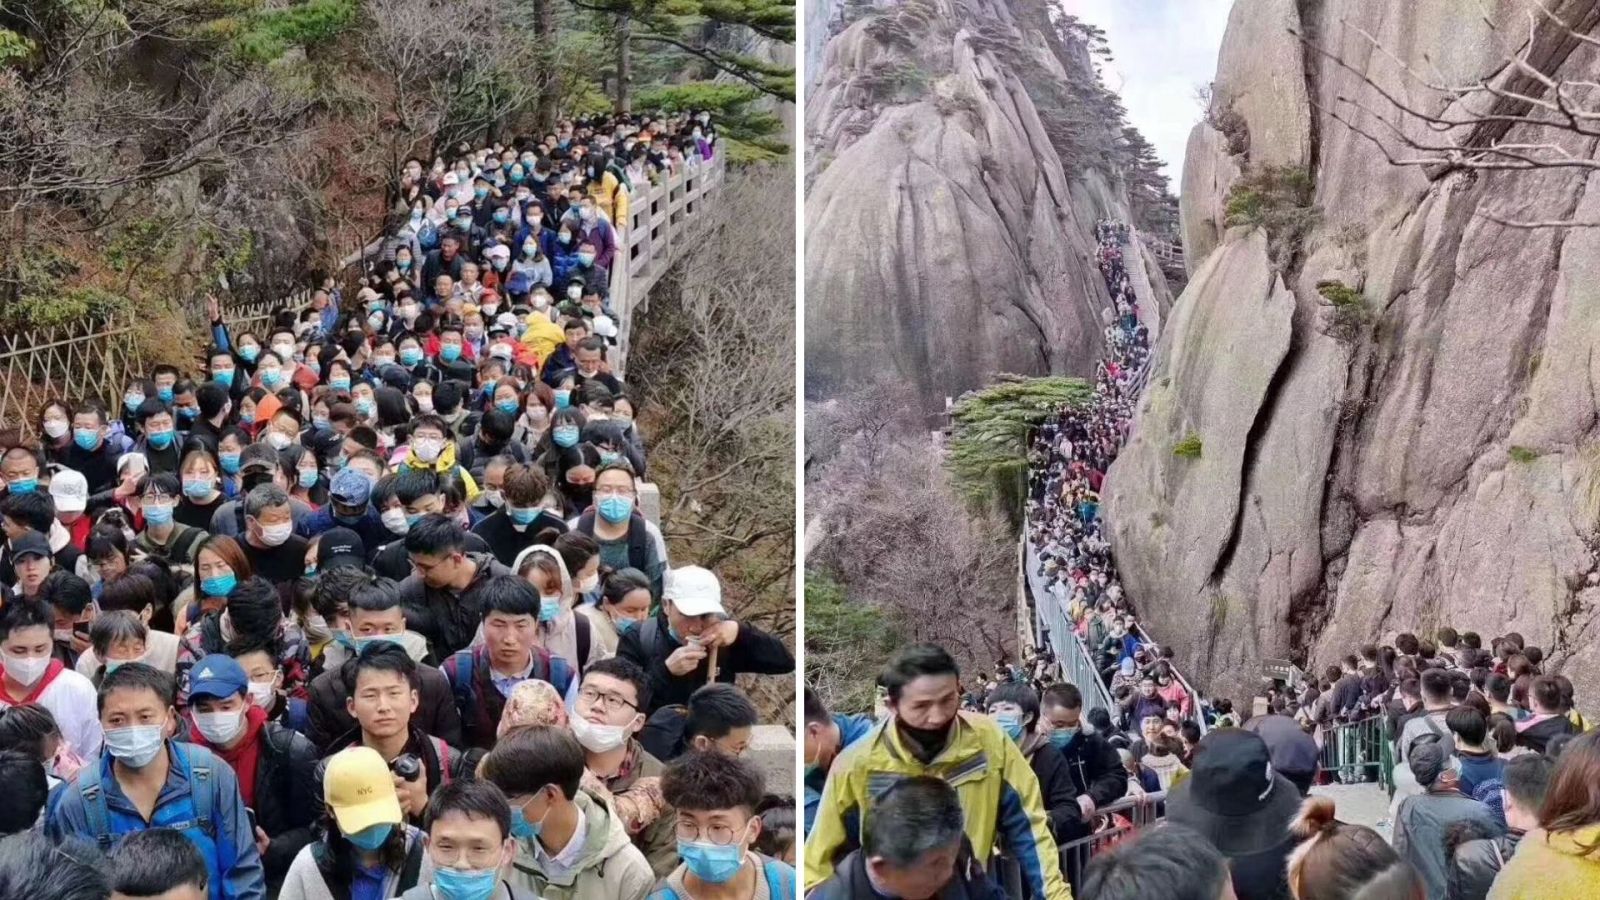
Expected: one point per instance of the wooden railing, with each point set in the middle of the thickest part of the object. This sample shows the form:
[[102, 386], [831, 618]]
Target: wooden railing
[[76, 361], [662, 222]]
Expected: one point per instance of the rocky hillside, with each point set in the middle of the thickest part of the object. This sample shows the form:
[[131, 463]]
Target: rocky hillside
[[1393, 398], [954, 183]]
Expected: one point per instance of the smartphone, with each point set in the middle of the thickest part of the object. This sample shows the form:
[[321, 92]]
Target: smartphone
[[252, 816]]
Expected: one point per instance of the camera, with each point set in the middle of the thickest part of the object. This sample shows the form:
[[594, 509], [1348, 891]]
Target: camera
[[407, 766]]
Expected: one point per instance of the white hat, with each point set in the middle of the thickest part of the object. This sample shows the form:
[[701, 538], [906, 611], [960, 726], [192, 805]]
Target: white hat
[[508, 320], [70, 490], [128, 459], [694, 591], [499, 250], [451, 179]]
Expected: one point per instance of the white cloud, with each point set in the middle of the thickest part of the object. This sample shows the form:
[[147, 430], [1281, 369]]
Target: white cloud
[[1161, 49]]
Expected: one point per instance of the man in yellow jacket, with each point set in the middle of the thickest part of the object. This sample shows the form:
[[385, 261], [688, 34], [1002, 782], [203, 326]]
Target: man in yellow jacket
[[927, 735]]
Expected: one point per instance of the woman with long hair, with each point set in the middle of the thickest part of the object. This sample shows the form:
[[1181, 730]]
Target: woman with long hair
[[1560, 860]]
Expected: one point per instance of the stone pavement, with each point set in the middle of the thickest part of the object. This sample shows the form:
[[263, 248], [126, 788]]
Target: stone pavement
[[1360, 804]]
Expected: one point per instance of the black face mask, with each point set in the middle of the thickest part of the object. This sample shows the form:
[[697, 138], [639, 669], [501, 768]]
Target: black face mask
[[924, 743]]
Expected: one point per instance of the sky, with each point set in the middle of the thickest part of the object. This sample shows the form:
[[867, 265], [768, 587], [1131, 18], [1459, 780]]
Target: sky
[[1161, 50]]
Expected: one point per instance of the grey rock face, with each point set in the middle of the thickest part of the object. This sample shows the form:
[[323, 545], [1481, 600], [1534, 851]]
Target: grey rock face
[[945, 244], [1441, 467]]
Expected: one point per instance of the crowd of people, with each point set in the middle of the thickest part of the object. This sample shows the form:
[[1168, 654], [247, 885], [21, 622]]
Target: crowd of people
[[1497, 775], [366, 607]]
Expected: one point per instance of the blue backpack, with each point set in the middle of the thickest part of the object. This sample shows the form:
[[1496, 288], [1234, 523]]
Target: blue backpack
[[779, 874], [193, 817]]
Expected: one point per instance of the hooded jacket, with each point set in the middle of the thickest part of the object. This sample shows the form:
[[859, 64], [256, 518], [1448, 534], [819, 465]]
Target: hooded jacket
[[609, 868], [1551, 867], [445, 465], [560, 635], [999, 794]]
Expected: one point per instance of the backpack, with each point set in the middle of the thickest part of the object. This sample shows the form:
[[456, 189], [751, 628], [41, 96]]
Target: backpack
[[462, 676], [99, 817], [638, 538]]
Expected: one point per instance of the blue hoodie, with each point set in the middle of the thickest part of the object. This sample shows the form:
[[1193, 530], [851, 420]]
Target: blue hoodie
[[851, 729]]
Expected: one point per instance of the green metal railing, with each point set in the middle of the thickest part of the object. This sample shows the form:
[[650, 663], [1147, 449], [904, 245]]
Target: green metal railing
[[1360, 752]]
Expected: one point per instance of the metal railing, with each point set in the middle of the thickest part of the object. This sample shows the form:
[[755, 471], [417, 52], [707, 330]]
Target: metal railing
[[71, 362], [1057, 631], [1113, 823], [1359, 752]]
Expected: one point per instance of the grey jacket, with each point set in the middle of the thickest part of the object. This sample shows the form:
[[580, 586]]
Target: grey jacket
[[1421, 827], [1476, 863]]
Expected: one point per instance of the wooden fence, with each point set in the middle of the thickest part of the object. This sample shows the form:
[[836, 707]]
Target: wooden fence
[[73, 362]]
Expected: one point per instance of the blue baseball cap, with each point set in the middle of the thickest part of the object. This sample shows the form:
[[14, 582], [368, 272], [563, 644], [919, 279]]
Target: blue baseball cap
[[218, 675]]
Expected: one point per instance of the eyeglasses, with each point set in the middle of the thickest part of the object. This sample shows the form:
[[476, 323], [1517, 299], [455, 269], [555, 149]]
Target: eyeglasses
[[608, 701], [721, 835]]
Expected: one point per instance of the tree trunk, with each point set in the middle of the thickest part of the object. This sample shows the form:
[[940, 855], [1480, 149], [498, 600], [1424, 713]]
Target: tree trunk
[[544, 30], [624, 65]]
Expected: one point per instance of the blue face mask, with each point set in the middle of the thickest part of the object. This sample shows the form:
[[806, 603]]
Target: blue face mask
[[165, 394], [507, 406], [521, 516], [470, 884], [563, 399], [502, 216], [250, 353], [188, 413], [521, 828], [712, 863], [626, 625], [450, 352], [224, 377], [271, 378], [230, 462], [308, 477], [1011, 725], [607, 457], [339, 384], [549, 608], [160, 440], [247, 418], [23, 485], [364, 407], [197, 488], [321, 422], [1062, 737], [219, 585], [616, 509], [480, 193], [410, 356], [132, 399], [370, 839], [86, 438], [564, 435], [158, 515]]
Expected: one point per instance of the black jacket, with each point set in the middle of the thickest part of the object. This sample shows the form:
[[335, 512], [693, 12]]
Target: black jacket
[[1087, 765], [448, 619], [1536, 737], [440, 759], [849, 881], [649, 645], [1475, 864], [506, 542], [436, 707], [288, 798]]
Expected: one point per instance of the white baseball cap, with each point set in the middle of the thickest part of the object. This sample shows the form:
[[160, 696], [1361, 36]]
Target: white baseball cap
[[70, 490], [694, 591]]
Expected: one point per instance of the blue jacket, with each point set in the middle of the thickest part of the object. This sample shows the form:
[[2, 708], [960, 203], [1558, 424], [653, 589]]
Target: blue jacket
[[373, 532], [100, 813], [851, 728]]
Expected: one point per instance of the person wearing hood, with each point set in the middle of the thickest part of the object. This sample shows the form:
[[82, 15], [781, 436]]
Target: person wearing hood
[[374, 615], [276, 767], [430, 448], [623, 606], [562, 631], [570, 844]]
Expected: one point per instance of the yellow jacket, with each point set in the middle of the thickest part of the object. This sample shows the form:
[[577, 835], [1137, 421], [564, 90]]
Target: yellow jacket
[[998, 790], [445, 465], [1549, 867], [612, 198], [543, 336]]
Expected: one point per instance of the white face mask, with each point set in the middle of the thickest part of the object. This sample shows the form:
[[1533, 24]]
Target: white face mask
[[395, 521], [427, 449], [278, 440], [25, 670], [55, 427], [262, 694], [598, 738], [494, 497], [425, 404], [276, 535], [219, 728], [588, 584]]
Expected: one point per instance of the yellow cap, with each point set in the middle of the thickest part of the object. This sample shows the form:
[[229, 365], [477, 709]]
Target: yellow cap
[[359, 788]]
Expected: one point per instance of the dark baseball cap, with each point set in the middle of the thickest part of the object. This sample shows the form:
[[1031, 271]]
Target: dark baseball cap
[[340, 547], [31, 543]]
